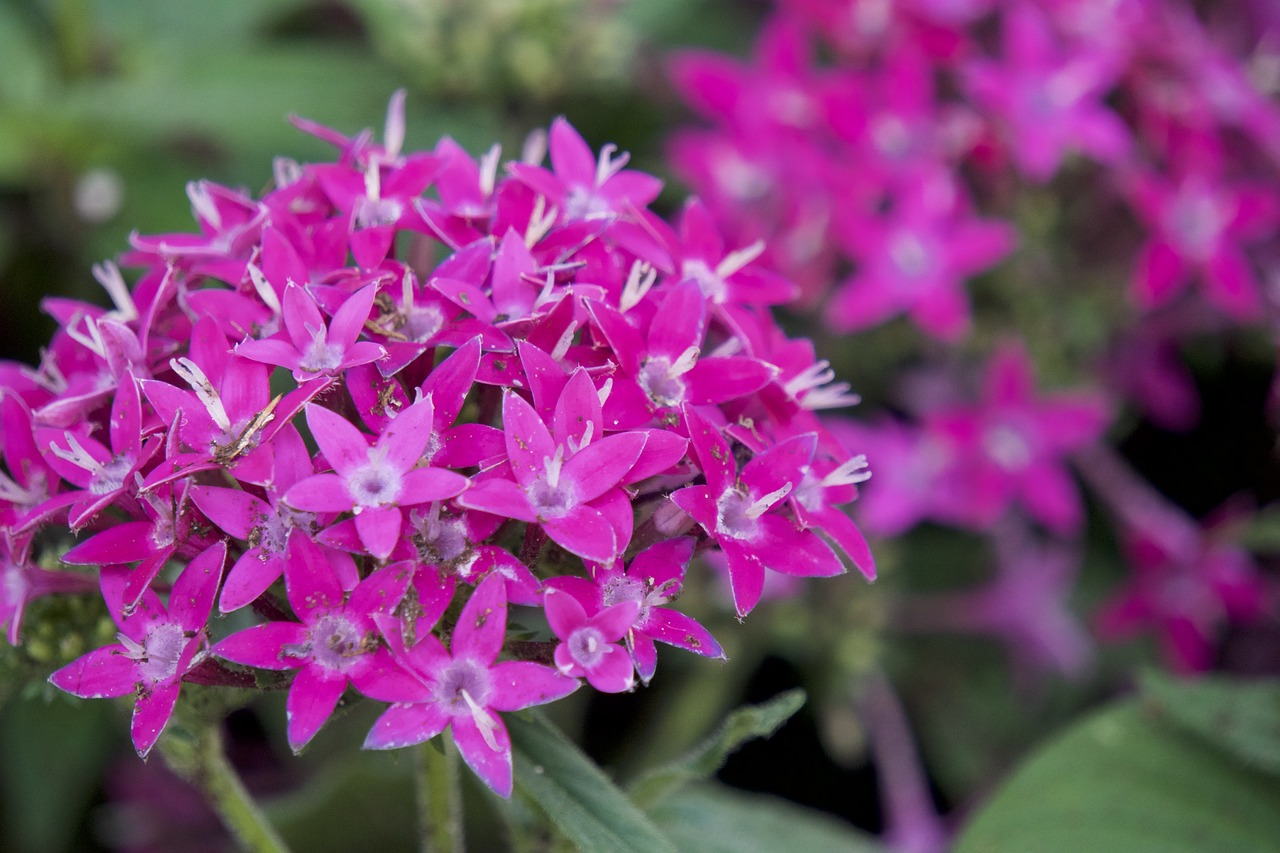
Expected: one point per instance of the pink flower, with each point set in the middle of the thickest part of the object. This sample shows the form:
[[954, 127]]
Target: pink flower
[[739, 511], [374, 482], [315, 349], [334, 645], [157, 646], [462, 688], [587, 643]]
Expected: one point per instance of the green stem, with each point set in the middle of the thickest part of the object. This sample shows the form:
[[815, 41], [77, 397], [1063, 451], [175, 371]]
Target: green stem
[[439, 797], [198, 757]]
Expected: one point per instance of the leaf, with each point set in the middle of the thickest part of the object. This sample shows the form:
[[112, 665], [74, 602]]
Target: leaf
[[1240, 717], [712, 818], [581, 801], [54, 756], [1125, 779], [744, 724], [1262, 533]]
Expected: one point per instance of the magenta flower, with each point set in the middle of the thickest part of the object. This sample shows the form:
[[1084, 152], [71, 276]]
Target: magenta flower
[[582, 186], [1201, 224], [157, 646], [334, 645], [561, 483], [374, 482], [1050, 100], [654, 578], [462, 688], [739, 511], [916, 259], [587, 643], [315, 349], [22, 583], [1187, 597], [1016, 445]]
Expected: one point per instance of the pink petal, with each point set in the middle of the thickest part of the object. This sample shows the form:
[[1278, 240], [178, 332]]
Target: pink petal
[[405, 439], [577, 408], [493, 766], [679, 322], [404, 725], [310, 581], [123, 543], [613, 673], [251, 576], [780, 465], [711, 452], [718, 380], [791, 551], [342, 444], [679, 629], [482, 625], [272, 351], [320, 493], [528, 441], [263, 645], [615, 621], [523, 684], [564, 614], [584, 531], [349, 320], [663, 450], [312, 699], [644, 654], [379, 529], [746, 575], [151, 712], [192, 598], [571, 158], [602, 464], [498, 496], [450, 382], [424, 485], [300, 312], [381, 591], [236, 512], [103, 673], [1161, 272]]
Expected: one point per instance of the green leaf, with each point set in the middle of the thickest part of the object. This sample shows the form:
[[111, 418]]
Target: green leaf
[[1242, 718], [581, 801], [54, 754], [1262, 533], [714, 818], [744, 724], [1125, 779]]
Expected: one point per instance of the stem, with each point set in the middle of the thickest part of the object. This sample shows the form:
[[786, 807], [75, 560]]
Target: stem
[[197, 756], [439, 797]]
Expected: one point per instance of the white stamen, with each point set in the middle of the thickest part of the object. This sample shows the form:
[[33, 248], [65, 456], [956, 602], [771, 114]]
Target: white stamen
[[848, 473], [92, 341], [77, 455], [108, 275], [739, 258], [605, 390], [535, 148], [265, 291], [540, 222], [191, 373], [553, 464], [761, 506], [686, 361], [484, 722], [373, 181], [639, 281], [489, 170], [203, 204], [393, 133], [606, 167], [285, 171], [565, 341]]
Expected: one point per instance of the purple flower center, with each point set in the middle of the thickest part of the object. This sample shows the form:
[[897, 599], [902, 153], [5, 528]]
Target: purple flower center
[[12, 587], [910, 255], [659, 382], [549, 494], [733, 515], [623, 588], [1008, 447], [336, 642], [461, 681], [162, 647], [372, 212], [583, 203], [422, 323], [272, 533], [1196, 220], [320, 355], [110, 477], [711, 284], [587, 646], [440, 541], [375, 483]]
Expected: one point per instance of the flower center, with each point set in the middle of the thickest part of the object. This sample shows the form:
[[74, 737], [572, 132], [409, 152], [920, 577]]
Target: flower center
[[711, 284], [375, 484], [110, 477], [910, 255], [162, 648], [336, 642], [321, 356], [1007, 447], [587, 647], [659, 382], [460, 680]]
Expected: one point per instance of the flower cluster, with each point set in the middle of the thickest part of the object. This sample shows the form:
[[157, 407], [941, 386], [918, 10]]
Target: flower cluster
[[398, 395], [900, 149]]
